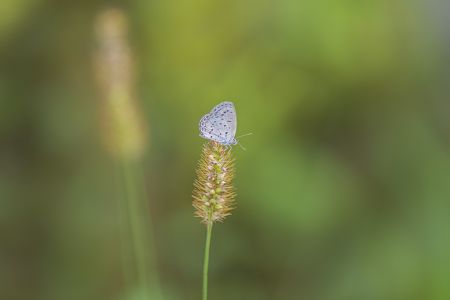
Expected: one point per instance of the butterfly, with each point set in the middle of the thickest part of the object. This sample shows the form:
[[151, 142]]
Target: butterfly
[[220, 124]]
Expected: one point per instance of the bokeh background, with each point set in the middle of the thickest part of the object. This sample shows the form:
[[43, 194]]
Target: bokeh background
[[343, 192]]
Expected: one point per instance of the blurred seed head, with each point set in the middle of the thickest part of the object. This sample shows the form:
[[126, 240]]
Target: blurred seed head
[[213, 189], [123, 130]]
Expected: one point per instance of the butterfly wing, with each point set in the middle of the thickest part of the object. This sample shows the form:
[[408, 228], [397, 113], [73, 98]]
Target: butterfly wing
[[206, 127], [220, 124]]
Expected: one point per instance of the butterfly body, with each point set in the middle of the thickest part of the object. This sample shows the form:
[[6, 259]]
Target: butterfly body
[[220, 124]]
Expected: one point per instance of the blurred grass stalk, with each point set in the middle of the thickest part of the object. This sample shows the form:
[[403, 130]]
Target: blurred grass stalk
[[125, 138]]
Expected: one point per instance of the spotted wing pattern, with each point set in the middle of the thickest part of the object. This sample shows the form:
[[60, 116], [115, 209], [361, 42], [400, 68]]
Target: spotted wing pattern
[[220, 124]]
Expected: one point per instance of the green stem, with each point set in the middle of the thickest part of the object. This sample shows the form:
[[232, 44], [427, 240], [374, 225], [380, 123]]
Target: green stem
[[140, 230], [138, 245], [124, 228], [206, 261]]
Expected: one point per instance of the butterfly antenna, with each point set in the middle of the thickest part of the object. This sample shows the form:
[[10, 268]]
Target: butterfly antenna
[[242, 147], [245, 135]]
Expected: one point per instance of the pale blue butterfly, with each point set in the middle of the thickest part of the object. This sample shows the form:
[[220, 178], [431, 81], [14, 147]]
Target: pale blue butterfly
[[220, 124]]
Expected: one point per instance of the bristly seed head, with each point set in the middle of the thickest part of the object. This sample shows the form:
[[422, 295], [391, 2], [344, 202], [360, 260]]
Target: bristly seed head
[[124, 131], [213, 189]]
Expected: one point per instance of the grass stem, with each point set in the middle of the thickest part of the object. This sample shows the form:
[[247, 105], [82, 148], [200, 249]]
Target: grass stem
[[141, 232], [206, 260]]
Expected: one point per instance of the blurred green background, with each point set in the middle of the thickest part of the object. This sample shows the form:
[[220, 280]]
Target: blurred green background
[[343, 192]]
